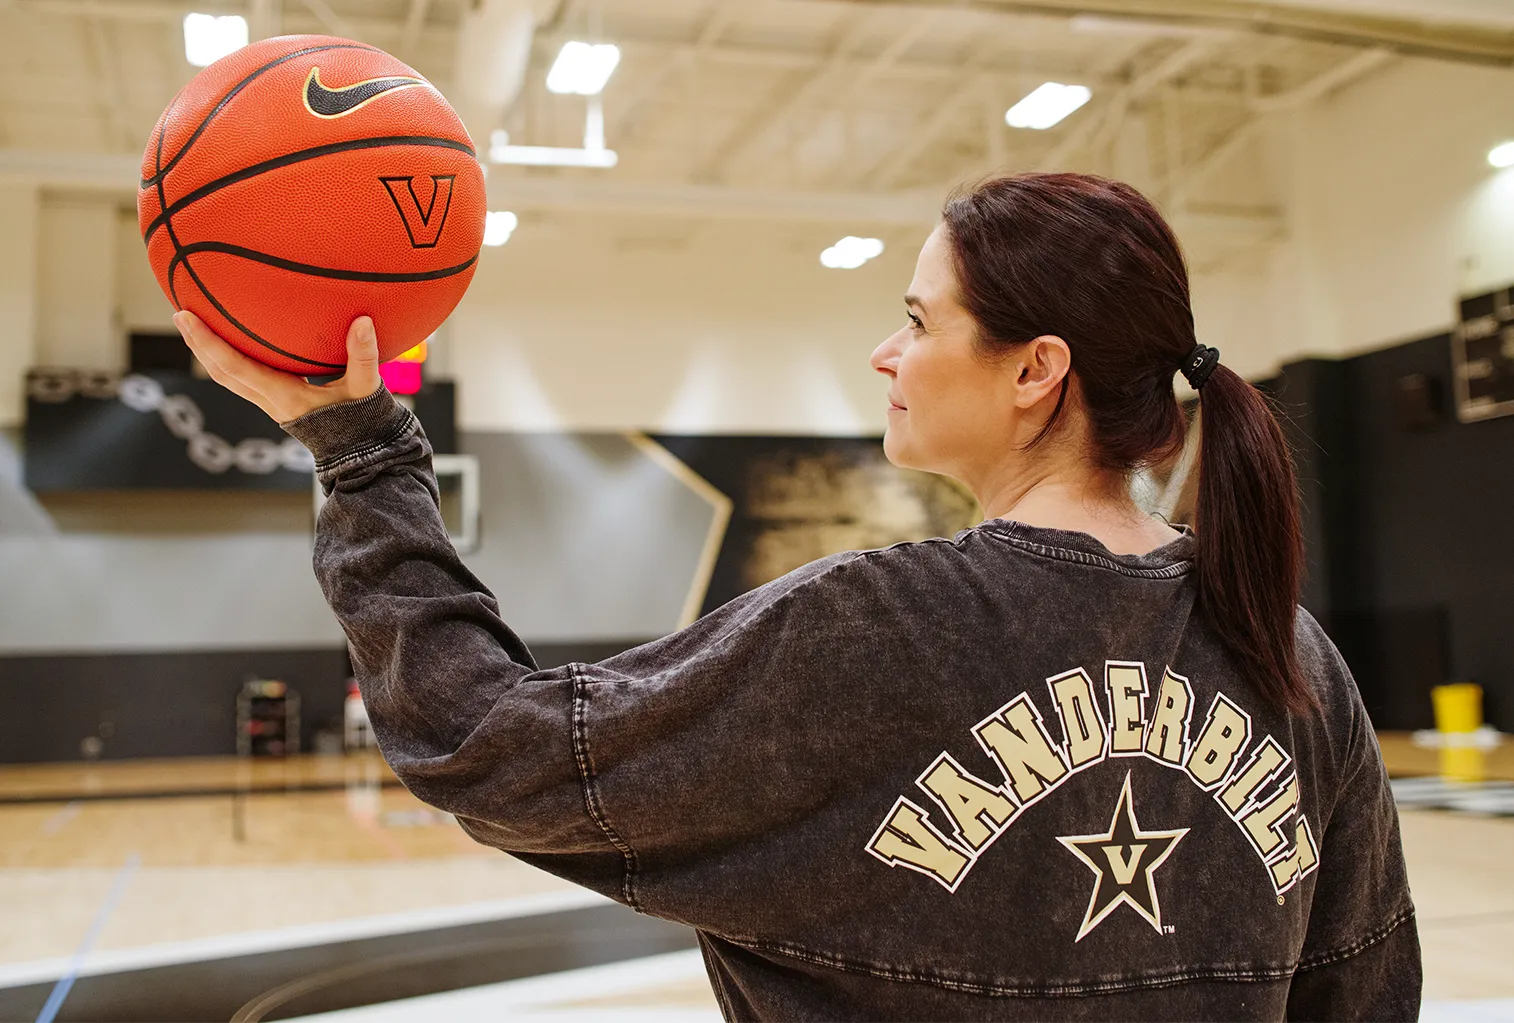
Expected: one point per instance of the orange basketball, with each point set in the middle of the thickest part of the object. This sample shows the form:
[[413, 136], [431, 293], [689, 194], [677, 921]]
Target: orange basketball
[[304, 181]]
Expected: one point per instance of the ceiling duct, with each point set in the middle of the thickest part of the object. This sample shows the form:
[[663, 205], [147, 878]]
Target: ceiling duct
[[493, 50]]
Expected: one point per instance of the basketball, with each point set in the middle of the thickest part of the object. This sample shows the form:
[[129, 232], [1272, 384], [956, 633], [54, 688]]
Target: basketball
[[304, 181]]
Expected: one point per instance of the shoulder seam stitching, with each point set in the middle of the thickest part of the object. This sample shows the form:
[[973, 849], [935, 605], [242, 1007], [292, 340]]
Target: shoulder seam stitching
[[1056, 990], [1046, 991], [1173, 571], [591, 796], [721, 643], [1326, 958]]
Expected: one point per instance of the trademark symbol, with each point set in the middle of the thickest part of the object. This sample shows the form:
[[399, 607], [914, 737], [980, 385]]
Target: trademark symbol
[[1169, 928], [1279, 900]]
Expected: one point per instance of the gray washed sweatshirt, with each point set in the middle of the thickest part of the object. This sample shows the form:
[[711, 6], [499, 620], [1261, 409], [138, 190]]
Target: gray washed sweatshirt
[[1009, 775]]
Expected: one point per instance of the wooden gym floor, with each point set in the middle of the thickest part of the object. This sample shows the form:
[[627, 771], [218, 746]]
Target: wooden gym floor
[[221, 847]]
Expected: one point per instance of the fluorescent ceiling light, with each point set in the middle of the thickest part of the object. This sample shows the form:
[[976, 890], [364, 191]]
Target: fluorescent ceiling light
[[498, 226], [208, 37], [593, 153], [553, 156], [582, 68], [1047, 105], [851, 252], [1502, 155]]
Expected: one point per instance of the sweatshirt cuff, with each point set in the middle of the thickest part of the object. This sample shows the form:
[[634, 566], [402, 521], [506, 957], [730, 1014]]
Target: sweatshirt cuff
[[349, 430]]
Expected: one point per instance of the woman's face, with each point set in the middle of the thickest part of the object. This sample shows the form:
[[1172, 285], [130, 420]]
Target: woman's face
[[951, 410]]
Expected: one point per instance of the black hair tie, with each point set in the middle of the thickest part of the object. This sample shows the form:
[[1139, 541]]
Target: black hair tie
[[1199, 364]]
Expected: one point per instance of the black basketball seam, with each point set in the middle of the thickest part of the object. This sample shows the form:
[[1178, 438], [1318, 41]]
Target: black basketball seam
[[436, 186], [245, 330], [332, 273], [160, 170], [174, 291], [298, 156]]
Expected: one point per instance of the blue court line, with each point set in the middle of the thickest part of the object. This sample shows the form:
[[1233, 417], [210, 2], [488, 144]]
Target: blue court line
[[56, 822], [66, 982]]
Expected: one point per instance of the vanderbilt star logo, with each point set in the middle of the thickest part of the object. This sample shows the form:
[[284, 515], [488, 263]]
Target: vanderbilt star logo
[[329, 103], [1123, 860]]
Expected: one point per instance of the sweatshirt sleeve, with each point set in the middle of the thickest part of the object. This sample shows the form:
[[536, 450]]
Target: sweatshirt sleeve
[[461, 712], [1361, 955]]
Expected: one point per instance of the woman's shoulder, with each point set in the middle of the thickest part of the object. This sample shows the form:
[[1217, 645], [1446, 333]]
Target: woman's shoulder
[[867, 575], [907, 558], [1341, 713]]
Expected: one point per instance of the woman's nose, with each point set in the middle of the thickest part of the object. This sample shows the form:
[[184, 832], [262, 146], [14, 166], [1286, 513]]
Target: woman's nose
[[886, 356]]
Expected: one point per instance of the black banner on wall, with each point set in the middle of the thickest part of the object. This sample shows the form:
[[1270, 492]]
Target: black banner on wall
[[171, 430]]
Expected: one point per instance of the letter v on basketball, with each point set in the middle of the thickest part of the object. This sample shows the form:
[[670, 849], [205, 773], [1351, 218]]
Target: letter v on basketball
[[422, 224]]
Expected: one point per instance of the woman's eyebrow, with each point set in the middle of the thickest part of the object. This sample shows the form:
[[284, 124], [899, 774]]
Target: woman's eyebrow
[[911, 300]]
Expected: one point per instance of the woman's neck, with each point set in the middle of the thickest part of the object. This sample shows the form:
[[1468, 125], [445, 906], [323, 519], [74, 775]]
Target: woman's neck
[[1099, 505]]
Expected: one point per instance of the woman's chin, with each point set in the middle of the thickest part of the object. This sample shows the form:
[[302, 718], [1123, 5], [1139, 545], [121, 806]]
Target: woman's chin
[[896, 448]]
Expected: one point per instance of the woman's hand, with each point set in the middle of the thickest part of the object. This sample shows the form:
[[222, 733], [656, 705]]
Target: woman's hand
[[284, 396]]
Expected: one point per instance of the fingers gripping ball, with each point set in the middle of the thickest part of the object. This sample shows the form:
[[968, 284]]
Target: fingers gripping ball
[[302, 182]]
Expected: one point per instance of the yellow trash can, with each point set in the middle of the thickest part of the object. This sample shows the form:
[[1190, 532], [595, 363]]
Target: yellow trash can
[[1458, 715]]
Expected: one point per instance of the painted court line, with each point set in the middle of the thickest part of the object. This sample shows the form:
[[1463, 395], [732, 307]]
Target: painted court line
[[530, 998], [304, 935], [58, 821], [76, 962]]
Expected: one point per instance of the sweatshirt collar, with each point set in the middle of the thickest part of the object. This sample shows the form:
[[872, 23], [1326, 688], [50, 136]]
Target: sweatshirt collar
[[1171, 559]]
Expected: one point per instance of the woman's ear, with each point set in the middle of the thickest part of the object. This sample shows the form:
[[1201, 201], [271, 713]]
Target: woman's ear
[[1042, 363]]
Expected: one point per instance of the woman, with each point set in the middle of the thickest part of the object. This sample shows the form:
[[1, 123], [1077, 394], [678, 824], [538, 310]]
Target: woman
[[1073, 763]]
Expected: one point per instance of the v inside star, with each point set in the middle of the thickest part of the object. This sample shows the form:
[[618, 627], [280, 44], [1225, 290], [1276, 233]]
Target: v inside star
[[1123, 860]]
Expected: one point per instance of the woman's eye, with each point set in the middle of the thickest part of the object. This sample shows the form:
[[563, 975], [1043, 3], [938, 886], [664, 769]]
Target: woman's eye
[[914, 322]]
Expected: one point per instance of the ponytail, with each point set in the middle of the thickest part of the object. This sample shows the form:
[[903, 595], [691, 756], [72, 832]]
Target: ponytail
[[1092, 261], [1250, 546]]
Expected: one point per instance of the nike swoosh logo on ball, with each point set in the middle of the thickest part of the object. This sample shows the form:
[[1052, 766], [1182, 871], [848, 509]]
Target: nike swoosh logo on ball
[[324, 102]]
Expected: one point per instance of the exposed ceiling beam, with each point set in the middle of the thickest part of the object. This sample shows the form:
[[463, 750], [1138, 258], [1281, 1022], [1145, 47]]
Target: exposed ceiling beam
[[609, 197], [1091, 128], [123, 11], [112, 102], [766, 116], [880, 64], [410, 33], [715, 23], [117, 174], [95, 172], [920, 138], [1430, 33], [1446, 29], [1189, 178], [263, 19], [1325, 83], [858, 80], [334, 23], [389, 31], [684, 62]]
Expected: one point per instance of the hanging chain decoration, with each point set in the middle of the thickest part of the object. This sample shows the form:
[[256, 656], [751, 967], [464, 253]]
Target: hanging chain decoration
[[182, 416]]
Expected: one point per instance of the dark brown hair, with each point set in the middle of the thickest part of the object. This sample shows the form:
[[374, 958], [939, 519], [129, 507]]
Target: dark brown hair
[[1093, 262]]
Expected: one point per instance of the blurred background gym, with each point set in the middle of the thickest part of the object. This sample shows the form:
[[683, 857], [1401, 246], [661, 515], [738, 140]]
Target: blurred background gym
[[703, 216]]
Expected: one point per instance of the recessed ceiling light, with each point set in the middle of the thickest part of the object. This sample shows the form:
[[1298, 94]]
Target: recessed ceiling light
[[1047, 105], [582, 68], [1502, 155], [851, 252], [209, 37], [498, 226]]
